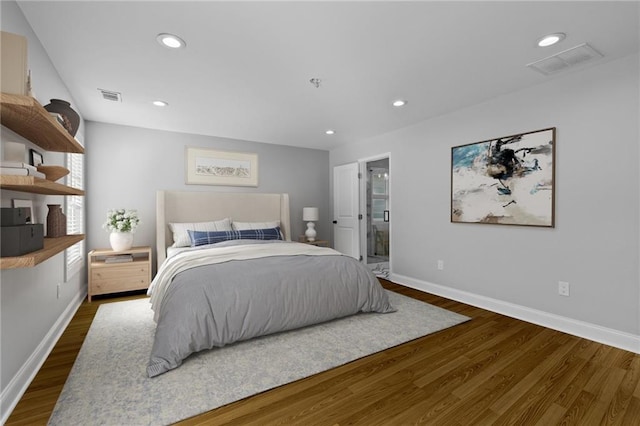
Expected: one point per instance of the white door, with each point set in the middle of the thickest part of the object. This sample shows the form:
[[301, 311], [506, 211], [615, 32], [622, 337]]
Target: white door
[[346, 225]]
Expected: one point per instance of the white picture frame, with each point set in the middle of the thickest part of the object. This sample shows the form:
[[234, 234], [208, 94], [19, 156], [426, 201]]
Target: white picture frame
[[212, 167], [16, 202]]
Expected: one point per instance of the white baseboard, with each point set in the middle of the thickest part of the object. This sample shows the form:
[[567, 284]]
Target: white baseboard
[[18, 385], [619, 339]]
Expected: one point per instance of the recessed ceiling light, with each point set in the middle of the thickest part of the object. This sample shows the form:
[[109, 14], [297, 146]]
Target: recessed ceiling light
[[160, 103], [330, 132], [551, 39], [171, 41], [399, 103]]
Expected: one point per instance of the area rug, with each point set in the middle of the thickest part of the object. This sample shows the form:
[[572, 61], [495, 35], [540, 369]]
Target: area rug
[[108, 384]]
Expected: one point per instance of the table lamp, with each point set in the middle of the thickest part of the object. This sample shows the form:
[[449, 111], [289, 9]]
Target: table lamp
[[310, 214]]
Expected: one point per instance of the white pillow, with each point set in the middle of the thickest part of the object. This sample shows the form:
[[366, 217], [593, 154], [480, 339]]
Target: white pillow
[[240, 226], [181, 236]]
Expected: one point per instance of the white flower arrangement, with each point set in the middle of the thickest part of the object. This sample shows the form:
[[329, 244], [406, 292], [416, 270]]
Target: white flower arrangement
[[121, 220]]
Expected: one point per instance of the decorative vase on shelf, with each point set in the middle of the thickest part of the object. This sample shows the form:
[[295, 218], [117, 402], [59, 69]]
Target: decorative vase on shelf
[[69, 116], [121, 241], [56, 221]]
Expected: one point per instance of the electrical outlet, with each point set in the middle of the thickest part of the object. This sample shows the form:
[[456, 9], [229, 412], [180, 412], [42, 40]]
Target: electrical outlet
[[440, 265], [563, 288], [58, 291]]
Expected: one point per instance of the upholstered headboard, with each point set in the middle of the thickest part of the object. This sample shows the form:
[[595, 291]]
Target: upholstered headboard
[[199, 206]]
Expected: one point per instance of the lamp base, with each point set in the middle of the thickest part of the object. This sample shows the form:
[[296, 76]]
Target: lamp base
[[310, 233]]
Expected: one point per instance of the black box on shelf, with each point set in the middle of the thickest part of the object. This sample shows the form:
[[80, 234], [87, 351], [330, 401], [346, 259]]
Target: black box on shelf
[[21, 239], [12, 216]]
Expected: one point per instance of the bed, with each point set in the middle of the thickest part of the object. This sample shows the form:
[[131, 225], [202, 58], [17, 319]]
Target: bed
[[228, 271]]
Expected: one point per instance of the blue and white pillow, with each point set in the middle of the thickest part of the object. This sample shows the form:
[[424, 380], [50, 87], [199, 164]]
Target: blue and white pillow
[[200, 238], [241, 226]]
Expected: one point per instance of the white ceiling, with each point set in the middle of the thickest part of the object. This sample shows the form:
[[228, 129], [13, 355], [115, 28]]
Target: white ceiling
[[246, 69]]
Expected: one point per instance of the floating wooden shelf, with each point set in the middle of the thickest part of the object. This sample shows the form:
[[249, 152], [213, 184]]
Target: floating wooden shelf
[[52, 246], [25, 116], [36, 185]]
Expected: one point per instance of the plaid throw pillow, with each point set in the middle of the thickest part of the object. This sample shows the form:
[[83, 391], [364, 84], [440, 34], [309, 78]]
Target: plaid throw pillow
[[200, 238]]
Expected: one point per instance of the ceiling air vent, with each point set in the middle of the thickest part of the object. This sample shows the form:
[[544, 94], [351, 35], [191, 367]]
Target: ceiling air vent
[[111, 96], [565, 59]]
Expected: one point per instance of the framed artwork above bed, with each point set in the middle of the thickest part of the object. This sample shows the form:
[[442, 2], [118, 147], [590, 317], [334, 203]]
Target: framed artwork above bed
[[211, 167]]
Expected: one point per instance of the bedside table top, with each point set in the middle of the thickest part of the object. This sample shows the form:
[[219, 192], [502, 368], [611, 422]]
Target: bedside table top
[[132, 250], [323, 243]]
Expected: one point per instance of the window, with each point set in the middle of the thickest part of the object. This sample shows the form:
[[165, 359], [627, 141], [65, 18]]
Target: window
[[379, 193], [380, 182], [74, 209], [378, 208]]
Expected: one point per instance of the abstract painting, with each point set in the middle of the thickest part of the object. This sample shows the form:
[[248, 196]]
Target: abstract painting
[[210, 167], [507, 181]]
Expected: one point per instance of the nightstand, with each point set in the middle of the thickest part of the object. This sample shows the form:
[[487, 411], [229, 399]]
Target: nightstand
[[319, 243], [114, 272]]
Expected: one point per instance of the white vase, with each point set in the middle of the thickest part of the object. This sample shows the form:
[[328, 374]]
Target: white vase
[[121, 241]]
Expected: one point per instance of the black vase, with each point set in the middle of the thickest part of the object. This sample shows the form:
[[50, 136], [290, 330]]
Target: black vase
[[70, 117]]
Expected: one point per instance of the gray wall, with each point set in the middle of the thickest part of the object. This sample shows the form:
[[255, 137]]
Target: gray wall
[[594, 245], [127, 165], [31, 314]]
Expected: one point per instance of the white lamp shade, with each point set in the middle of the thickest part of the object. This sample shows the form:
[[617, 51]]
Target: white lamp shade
[[310, 214]]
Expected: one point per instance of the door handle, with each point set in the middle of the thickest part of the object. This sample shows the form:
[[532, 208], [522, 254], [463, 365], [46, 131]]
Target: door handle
[[335, 222]]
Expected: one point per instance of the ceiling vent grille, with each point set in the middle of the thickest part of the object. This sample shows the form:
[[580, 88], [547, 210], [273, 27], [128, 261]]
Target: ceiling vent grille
[[565, 59], [111, 95]]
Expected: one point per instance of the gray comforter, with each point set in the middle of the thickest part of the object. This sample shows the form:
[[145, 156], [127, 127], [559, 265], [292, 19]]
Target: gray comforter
[[212, 305]]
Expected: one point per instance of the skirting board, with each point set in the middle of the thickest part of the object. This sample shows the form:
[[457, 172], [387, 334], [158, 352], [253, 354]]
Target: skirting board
[[18, 385], [607, 336]]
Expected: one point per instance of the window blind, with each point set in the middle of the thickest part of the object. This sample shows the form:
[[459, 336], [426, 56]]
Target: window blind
[[74, 208]]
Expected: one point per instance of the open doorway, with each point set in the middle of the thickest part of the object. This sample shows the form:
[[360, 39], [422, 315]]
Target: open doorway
[[377, 232]]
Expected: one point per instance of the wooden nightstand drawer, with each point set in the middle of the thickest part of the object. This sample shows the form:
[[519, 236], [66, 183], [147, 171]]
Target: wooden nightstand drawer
[[109, 283], [106, 277], [120, 273]]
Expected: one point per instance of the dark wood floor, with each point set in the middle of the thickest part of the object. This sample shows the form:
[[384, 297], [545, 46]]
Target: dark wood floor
[[490, 370]]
